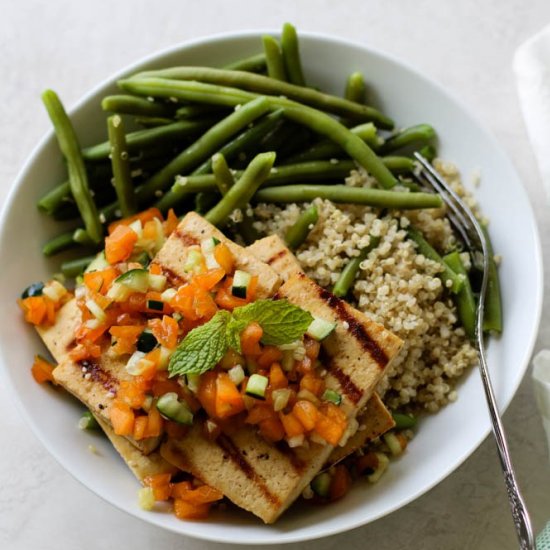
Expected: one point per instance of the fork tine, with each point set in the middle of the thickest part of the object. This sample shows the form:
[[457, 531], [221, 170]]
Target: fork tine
[[456, 215]]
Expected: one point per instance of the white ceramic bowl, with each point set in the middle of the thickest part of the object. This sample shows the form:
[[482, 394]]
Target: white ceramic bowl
[[443, 441]]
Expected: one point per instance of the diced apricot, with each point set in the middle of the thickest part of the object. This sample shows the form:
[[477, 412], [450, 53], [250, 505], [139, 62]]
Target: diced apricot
[[313, 383], [259, 413], [270, 354], [250, 340], [229, 401], [224, 257], [272, 429], [170, 223], [277, 376], [154, 423], [140, 425], [185, 510], [209, 279], [42, 370], [120, 244], [207, 393], [143, 217], [307, 414], [165, 331], [34, 308], [122, 418], [126, 338], [291, 424]]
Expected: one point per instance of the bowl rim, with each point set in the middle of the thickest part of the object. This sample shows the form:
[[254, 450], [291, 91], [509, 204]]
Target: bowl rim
[[286, 537]]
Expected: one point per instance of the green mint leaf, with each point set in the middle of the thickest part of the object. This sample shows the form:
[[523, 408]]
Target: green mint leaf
[[233, 333], [281, 321], [202, 348]]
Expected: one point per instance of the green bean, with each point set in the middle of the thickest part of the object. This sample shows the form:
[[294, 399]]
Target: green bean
[[298, 232], [421, 134], [53, 199], [352, 195], [492, 321], [253, 64], [245, 140], [121, 167], [240, 194], [73, 268], [237, 85], [464, 300], [274, 58], [58, 244], [68, 143], [400, 165], [131, 105], [354, 145], [152, 136], [222, 174], [347, 277], [429, 152], [356, 89], [404, 421], [81, 236], [204, 147], [314, 119], [195, 111], [280, 175], [423, 247], [327, 149], [291, 55], [149, 122]]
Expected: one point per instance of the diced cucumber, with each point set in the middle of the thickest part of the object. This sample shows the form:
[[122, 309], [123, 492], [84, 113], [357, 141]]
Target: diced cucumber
[[236, 374], [172, 408], [98, 263], [137, 363], [168, 294], [241, 282], [137, 228], [193, 261], [394, 443], [332, 396], [280, 398], [383, 463], [319, 329], [157, 282], [141, 258], [155, 305], [33, 290], [321, 484], [193, 382], [96, 311], [208, 245], [88, 422], [256, 386], [119, 292], [134, 279], [148, 403], [146, 341], [146, 498]]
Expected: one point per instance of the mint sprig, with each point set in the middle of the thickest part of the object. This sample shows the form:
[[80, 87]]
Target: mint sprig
[[204, 346]]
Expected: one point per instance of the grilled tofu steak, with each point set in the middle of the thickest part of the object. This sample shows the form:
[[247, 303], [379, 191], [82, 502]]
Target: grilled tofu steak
[[375, 419], [194, 229], [266, 479]]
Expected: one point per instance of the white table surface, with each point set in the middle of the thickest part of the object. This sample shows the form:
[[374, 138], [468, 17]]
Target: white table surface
[[467, 46]]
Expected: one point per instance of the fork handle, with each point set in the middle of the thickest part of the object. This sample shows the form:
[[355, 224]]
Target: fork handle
[[520, 515]]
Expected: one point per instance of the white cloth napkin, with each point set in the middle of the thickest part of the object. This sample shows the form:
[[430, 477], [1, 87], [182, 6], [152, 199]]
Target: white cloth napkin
[[532, 69]]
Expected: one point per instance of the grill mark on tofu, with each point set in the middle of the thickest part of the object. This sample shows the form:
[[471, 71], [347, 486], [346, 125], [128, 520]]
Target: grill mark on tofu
[[346, 383], [277, 256], [284, 449], [97, 374], [355, 328], [234, 454], [69, 346], [171, 276], [185, 238]]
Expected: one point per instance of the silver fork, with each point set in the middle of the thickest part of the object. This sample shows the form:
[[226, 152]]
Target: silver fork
[[467, 225]]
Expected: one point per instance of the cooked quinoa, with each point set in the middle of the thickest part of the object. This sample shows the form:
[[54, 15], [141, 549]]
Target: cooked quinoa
[[396, 286]]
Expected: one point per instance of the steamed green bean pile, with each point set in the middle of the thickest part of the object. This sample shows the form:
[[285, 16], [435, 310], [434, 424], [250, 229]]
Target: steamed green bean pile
[[218, 139]]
